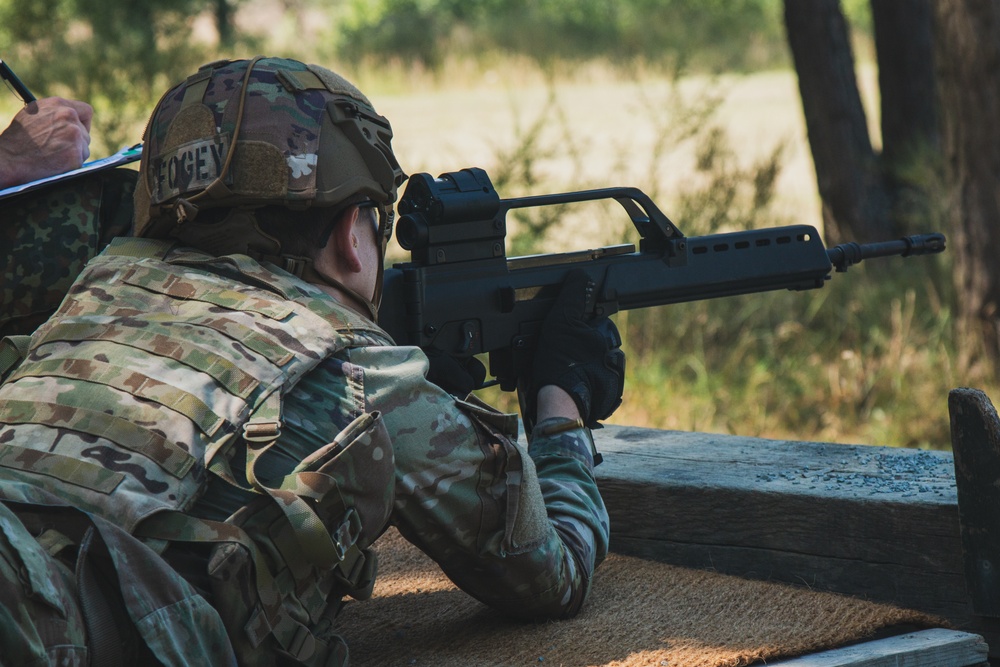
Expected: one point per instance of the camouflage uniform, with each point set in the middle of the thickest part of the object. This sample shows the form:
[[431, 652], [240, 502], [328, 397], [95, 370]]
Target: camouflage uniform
[[48, 235], [218, 427], [52, 604], [522, 533]]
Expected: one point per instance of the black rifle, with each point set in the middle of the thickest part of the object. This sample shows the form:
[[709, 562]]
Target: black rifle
[[461, 295]]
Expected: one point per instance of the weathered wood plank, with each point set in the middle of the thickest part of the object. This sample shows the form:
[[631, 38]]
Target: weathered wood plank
[[975, 437], [875, 522], [928, 648]]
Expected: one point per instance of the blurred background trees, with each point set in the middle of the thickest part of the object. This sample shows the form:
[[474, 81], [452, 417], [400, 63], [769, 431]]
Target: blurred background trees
[[939, 164], [734, 35], [928, 158], [967, 52], [119, 56]]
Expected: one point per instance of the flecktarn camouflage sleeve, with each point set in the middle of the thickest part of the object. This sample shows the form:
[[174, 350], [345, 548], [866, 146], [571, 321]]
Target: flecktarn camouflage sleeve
[[521, 533]]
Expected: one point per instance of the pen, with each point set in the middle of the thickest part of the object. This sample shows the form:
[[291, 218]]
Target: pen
[[21, 90]]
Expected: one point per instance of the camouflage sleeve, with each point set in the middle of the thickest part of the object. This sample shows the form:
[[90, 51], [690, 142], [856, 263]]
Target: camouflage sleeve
[[562, 450], [521, 533]]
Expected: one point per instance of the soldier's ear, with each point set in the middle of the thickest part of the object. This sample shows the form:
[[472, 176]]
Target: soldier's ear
[[345, 241]]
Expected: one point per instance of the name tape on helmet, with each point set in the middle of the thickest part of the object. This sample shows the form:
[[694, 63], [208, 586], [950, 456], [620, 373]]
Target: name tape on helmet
[[189, 167]]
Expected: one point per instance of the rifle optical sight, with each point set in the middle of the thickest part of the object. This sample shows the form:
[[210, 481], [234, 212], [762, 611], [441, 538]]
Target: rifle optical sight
[[453, 218]]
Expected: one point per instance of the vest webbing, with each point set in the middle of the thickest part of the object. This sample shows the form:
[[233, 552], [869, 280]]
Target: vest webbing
[[156, 364]]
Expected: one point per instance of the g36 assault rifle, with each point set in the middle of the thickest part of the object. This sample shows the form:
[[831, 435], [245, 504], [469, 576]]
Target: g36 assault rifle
[[461, 295]]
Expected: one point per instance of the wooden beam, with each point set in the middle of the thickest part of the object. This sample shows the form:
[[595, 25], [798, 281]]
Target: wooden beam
[[879, 523], [928, 648]]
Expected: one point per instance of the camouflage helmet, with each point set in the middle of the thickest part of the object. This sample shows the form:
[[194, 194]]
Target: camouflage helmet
[[265, 131]]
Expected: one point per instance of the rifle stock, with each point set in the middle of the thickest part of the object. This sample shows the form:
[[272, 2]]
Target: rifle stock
[[461, 294]]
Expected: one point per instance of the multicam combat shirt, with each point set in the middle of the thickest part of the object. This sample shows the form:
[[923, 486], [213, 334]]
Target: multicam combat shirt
[[521, 531]]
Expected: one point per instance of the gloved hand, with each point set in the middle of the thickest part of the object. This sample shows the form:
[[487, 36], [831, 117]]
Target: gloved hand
[[583, 358], [456, 376]]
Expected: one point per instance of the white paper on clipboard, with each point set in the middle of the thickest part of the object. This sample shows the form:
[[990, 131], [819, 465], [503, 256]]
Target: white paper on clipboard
[[124, 156]]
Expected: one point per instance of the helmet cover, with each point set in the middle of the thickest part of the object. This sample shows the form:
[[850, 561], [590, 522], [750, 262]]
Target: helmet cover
[[266, 131]]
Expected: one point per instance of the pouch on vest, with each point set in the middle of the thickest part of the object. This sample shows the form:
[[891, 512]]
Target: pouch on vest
[[48, 235], [277, 599], [350, 483]]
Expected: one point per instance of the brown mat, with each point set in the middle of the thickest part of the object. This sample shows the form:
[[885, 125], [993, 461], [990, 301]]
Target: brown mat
[[639, 613]]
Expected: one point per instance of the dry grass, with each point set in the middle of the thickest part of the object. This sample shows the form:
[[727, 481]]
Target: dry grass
[[613, 123]]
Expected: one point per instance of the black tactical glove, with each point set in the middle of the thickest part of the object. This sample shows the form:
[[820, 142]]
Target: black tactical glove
[[456, 376], [583, 358]]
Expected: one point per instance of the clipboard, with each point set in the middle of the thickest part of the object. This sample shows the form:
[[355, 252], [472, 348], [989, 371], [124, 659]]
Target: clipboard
[[124, 156]]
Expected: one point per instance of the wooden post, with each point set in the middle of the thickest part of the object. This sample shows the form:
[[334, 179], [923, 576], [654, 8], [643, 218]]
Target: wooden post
[[975, 441]]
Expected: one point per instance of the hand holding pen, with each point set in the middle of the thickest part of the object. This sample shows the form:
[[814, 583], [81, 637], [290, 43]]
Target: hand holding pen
[[48, 136]]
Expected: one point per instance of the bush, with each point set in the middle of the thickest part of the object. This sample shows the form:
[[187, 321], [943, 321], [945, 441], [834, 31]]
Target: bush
[[698, 35]]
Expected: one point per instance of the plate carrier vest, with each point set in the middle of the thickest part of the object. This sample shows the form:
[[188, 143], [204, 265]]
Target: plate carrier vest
[[159, 369]]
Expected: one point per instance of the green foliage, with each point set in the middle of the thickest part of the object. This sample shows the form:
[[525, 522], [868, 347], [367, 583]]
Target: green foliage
[[725, 195], [119, 57], [700, 35], [409, 30], [859, 15], [517, 172]]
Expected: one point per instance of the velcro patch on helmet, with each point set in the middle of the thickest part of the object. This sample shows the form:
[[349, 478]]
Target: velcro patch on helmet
[[191, 166], [337, 84]]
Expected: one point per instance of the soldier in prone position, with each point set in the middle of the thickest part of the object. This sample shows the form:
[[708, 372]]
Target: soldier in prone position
[[199, 448]]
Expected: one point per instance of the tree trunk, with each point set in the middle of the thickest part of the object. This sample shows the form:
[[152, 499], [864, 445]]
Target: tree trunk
[[905, 50], [911, 134], [968, 57], [224, 22], [855, 202]]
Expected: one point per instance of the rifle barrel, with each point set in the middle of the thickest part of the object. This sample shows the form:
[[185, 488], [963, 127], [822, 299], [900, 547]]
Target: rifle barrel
[[849, 254]]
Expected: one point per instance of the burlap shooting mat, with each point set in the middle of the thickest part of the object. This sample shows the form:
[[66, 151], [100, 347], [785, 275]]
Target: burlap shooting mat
[[639, 613]]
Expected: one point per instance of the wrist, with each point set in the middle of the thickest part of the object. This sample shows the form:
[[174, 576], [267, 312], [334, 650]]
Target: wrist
[[554, 401]]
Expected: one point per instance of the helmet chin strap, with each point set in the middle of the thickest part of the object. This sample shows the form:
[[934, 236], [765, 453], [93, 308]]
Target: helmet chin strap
[[311, 273]]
